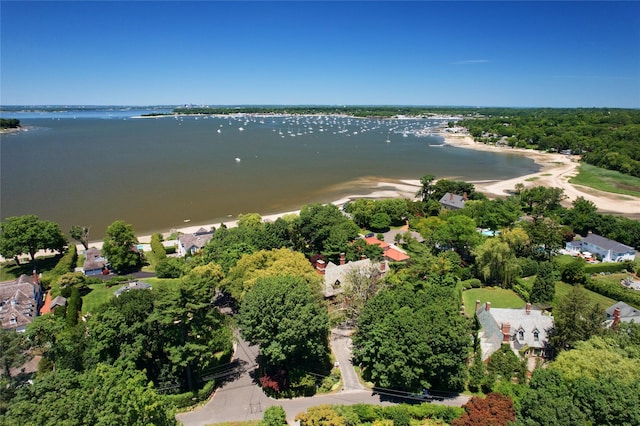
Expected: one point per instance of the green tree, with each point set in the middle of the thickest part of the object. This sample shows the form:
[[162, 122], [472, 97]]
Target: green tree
[[506, 365], [274, 416], [287, 320], [497, 262], [544, 286], [119, 247], [413, 339], [13, 348], [426, 190], [28, 234], [575, 319], [80, 234], [545, 235], [574, 271], [361, 284], [459, 233], [263, 263]]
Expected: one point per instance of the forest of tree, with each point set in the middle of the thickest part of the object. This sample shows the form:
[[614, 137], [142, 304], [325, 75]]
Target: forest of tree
[[606, 138]]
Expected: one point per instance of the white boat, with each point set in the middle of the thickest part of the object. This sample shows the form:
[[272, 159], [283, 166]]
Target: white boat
[[237, 159]]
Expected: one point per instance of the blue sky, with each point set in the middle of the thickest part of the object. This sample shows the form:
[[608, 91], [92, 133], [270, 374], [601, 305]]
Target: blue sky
[[556, 54]]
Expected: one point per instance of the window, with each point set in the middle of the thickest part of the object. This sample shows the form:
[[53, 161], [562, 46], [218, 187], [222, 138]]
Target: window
[[536, 335], [520, 334]]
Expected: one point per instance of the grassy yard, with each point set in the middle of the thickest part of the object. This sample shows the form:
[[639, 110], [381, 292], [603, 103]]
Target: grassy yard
[[499, 298], [563, 288], [607, 180], [100, 294], [10, 271]]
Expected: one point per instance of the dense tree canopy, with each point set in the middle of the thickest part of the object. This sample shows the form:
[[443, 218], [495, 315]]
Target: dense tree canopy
[[430, 340], [119, 247], [28, 234], [287, 320]]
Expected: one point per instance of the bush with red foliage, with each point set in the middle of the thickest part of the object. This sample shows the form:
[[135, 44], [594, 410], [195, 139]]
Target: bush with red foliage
[[494, 410], [269, 383]]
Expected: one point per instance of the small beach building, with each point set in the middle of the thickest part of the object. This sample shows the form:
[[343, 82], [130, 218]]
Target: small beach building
[[608, 250], [193, 243]]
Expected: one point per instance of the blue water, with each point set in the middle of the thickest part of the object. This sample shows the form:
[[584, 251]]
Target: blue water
[[92, 167]]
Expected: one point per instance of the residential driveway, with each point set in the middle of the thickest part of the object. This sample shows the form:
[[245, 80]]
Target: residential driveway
[[240, 399]]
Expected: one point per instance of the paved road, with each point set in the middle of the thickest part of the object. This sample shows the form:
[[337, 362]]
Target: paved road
[[240, 398]]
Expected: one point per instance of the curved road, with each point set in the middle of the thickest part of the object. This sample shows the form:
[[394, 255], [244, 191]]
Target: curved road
[[240, 399]]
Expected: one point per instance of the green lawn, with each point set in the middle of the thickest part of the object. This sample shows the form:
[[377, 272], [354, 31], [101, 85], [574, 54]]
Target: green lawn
[[499, 298], [563, 288], [100, 294], [607, 180]]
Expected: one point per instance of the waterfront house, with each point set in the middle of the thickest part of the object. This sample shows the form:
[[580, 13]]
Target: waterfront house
[[608, 250], [193, 243], [20, 302], [95, 263], [526, 331], [452, 201]]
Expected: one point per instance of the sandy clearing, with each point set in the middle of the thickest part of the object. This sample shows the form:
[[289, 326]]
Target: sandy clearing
[[556, 170]]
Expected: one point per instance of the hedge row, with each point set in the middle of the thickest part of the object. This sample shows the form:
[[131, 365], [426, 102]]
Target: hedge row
[[612, 267], [614, 291], [187, 399]]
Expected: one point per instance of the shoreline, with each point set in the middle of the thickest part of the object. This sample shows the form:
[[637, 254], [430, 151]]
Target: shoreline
[[555, 171]]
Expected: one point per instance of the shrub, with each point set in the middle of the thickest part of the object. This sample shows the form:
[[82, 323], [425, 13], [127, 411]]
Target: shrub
[[274, 416], [471, 283], [608, 267], [528, 266], [614, 291], [170, 267]]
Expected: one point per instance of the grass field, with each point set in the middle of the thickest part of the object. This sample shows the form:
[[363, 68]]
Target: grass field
[[100, 294], [607, 180], [499, 298], [563, 288]]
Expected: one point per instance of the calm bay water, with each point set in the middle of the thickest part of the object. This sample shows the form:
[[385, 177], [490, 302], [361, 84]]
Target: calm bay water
[[156, 173]]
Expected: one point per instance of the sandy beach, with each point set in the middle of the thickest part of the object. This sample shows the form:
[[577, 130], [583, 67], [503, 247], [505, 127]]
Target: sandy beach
[[556, 170]]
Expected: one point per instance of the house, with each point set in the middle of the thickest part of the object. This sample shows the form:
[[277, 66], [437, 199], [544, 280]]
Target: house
[[57, 302], [621, 312], [193, 243], [20, 302], [389, 251], [608, 250], [452, 201], [95, 263], [525, 330], [336, 276], [133, 285]]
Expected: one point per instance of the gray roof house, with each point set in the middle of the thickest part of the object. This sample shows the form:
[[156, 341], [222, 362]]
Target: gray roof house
[[621, 312], [133, 285], [608, 250], [451, 201], [20, 302], [336, 276], [525, 330], [94, 263], [193, 243]]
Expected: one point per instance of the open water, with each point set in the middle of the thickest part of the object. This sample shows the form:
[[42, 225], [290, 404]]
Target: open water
[[93, 167]]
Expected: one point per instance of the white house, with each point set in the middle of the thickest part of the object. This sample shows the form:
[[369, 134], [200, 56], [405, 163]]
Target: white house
[[525, 330], [608, 250]]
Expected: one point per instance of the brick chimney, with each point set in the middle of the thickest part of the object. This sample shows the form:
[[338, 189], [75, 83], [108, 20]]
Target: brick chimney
[[616, 318], [506, 332], [477, 305], [35, 277], [320, 266], [363, 257], [383, 266], [487, 306], [342, 259], [528, 309], [451, 196]]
